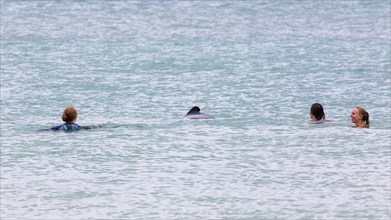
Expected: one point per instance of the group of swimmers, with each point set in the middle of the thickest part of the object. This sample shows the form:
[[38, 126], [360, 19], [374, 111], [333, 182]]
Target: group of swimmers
[[359, 117]]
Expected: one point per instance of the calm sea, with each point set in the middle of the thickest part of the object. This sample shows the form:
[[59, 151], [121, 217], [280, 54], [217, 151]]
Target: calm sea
[[136, 67]]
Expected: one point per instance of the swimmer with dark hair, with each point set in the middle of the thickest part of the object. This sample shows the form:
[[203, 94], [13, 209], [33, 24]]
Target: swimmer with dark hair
[[195, 113], [69, 116], [317, 114], [360, 117]]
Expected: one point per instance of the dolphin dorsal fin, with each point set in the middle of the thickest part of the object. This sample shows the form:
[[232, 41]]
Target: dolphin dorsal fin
[[194, 110]]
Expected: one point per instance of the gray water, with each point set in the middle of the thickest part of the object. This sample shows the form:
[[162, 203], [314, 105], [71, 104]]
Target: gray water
[[136, 67]]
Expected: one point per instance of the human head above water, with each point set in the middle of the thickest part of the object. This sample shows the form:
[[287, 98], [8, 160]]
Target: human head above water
[[316, 112], [69, 115], [360, 117]]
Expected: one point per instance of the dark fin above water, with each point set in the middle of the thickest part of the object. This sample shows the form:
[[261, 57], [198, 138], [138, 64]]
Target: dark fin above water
[[194, 110], [194, 113]]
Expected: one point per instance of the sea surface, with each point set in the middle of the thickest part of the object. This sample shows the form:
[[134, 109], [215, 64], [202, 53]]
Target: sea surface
[[135, 68]]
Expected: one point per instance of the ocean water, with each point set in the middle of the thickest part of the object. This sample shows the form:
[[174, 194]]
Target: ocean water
[[136, 67]]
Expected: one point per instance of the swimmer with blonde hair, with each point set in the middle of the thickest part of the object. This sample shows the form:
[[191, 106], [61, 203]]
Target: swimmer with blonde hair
[[360, 117]]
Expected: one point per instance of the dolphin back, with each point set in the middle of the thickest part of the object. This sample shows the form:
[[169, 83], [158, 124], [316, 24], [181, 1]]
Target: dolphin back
[[199, 116]]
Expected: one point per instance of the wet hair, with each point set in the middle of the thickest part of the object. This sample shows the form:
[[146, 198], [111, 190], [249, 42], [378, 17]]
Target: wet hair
[[69, 114], [364, 115], [317, 111]]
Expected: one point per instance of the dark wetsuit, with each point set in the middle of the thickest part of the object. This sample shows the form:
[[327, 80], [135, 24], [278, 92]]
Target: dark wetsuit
[[69, 127]]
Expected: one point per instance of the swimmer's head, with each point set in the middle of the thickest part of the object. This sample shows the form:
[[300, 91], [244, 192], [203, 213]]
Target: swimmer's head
[[317, 111], [69, 115], [360, 117]]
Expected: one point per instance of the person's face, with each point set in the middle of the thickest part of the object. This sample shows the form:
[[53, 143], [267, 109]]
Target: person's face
[[355, 116]]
